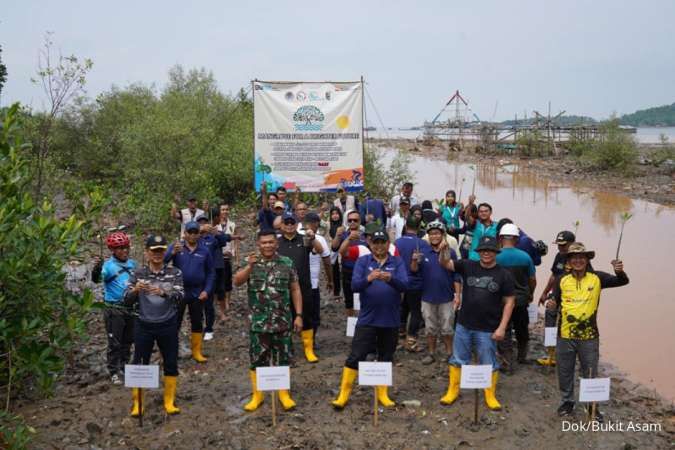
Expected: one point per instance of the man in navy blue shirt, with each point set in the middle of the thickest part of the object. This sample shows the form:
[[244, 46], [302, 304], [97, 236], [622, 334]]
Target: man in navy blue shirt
[[372, 210], [379, 278], [195, 262], [411, 303], [214, 241], [440, 294]]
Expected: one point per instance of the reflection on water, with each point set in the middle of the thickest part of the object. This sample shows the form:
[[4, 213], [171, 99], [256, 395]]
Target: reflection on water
[[635, 321]]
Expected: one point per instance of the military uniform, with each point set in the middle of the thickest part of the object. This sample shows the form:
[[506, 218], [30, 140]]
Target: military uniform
[[269, 300]]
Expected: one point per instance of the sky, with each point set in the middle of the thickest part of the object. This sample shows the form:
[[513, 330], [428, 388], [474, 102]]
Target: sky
[[590, 58]]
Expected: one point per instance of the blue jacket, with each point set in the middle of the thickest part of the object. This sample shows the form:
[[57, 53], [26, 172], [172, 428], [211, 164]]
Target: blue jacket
[[526, 244], [406, 245], [376, 208], [115, 275], [380, 301], [197, 268], [215, 244]]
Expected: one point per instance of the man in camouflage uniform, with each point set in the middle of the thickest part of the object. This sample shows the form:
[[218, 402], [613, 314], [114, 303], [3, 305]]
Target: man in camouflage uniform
[[272, 283]]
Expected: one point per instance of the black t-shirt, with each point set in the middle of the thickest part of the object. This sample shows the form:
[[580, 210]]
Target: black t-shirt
[[299, 254], [482, 294]]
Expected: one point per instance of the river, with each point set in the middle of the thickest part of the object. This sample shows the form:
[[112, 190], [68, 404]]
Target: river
[[646, 135], [635, 321]]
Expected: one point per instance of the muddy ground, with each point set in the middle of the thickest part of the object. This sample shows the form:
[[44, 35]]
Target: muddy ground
[[643, 181], [87, 412]]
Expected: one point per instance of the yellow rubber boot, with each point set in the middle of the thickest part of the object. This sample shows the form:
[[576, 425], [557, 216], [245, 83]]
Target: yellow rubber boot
[[454, 375], [491, 392], [383, 397], [348, 378], [196, 344], [170, 394], [257, 397], [308, 343], [549, 360], [286, 400], [136, 396]]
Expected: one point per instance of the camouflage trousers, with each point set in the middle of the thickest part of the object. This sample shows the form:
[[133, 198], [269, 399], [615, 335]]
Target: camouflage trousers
[[264, 347]]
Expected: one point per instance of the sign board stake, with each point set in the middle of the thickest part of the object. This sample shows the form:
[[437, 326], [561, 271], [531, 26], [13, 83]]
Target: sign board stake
[[475, 406], [375, 406], [140, 407], [551, 354]]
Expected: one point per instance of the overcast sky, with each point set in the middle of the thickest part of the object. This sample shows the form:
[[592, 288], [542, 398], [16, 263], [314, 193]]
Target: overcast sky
[[587, 57]]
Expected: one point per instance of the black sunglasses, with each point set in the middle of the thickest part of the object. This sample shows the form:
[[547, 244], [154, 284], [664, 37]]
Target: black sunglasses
[[193, 232], [352, 220]]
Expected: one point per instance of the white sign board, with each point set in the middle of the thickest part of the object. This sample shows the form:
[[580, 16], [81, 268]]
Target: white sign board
[[273, 378], [533, 313], [141, 376], [550, 336], [357, 301], [351, 326], [308, 135], [476, 377], [594, 389], [375, 373]]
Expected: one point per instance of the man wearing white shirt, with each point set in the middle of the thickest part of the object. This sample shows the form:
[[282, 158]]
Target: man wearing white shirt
[[311, 222], [397, 221], [406, 191]]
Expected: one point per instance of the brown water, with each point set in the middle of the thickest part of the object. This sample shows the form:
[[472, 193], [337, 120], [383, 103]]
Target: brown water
[[635, 321]]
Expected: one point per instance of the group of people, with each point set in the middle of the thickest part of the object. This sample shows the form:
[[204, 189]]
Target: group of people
[[448, 269]]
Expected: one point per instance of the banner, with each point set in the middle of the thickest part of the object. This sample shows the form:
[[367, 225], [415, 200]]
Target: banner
[[308, 135]]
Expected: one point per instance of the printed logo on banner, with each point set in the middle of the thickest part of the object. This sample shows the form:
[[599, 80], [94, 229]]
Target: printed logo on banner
[[329, 95], [314, 96], [301, 96], [308, 118], [289, 96]]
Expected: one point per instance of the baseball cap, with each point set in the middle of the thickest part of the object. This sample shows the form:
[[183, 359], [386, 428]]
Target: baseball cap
[[192, 226], [371, 228], [191, 197], [564, 237], [155, 241], [279, 204], [488, 243], [404, 201], [288, 216], [202, 217], [379, 235]]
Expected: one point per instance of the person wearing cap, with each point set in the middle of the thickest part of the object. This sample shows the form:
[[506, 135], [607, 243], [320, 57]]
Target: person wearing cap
[[269, 209], [559, 267], [344, 239], [157, 290], [188, 214], [577, 296], [316, 260], [345, 203], [214, 241], [484, 313], [272, 284], [406, 191], [196, 264], [396, 223], [440, 290], [411, 307], [535, 249], [521, 266], [379, 278], [119, 322], [298, 248]]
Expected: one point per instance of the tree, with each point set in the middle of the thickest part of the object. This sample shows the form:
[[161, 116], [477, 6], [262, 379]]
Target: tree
[[62, 79], [3, 72]]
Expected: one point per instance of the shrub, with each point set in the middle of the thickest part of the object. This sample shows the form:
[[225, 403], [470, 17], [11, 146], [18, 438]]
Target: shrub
[[614, 149]]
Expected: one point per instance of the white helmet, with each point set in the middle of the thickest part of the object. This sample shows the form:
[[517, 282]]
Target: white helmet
[[509, 229]]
